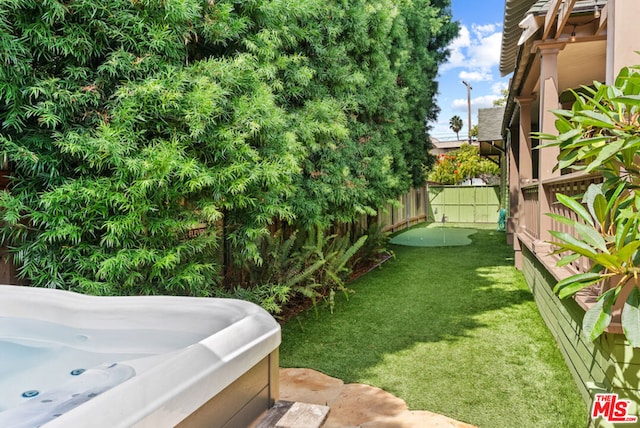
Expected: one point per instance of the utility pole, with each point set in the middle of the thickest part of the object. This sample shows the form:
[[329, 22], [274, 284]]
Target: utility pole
[[468, 108]]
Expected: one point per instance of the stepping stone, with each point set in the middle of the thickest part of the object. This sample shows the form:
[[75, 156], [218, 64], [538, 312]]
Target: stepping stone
[[308, 386], [287, 414], [359, 403], [304, 415], [355, 405]]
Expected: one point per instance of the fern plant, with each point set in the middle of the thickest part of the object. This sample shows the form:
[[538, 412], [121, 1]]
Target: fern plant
[[334, 253], [376, 245], [271, 297]]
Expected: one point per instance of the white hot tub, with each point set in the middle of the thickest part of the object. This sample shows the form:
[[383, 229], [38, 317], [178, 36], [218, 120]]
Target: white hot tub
[[69, 360]]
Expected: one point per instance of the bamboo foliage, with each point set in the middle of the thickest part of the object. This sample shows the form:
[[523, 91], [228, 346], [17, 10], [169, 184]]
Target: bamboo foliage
[[129, 124]]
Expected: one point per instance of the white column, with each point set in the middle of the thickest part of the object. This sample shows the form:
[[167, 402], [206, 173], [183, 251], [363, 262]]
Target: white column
[[623, 33], [524, 138], [548, 157]]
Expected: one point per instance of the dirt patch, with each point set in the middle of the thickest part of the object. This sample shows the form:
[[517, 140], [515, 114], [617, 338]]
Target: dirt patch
[[364, 268]]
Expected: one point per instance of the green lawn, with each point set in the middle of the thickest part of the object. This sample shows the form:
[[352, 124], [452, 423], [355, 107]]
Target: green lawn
[[450, 330]]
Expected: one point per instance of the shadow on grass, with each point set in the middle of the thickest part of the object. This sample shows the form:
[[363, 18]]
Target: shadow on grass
[[424, 295], [450, 329]]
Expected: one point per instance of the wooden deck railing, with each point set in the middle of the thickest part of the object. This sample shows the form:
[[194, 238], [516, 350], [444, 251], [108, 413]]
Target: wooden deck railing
[[531, 209], [574, 184]]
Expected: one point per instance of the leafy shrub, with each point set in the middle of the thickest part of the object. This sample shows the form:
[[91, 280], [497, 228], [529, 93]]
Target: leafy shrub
[[129, 124], [308, 263], [282, 261], [462, 164], [375, 247], [271, 297], [157, 169], [334, 253]]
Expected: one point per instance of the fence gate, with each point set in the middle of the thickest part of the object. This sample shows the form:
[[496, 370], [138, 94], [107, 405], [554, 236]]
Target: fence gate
[[464, 204]]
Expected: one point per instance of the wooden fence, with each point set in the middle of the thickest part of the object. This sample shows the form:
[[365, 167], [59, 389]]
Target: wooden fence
[[456, 204], [430, 203], [7, 270]]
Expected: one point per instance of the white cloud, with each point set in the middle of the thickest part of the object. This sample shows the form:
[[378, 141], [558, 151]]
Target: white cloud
[[475, 76], [459, 104], [498, 87], [476, 51], [483, 101], [483, 30], [458, 46], [485, 52]]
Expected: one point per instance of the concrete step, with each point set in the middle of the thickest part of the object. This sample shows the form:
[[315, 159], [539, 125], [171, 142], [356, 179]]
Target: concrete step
[[289, 414]]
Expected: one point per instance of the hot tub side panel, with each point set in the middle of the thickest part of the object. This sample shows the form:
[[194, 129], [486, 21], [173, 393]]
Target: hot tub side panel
[[243, 402]]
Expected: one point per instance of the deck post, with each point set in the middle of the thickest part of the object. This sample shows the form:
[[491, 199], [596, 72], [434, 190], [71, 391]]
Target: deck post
[[549, 100]]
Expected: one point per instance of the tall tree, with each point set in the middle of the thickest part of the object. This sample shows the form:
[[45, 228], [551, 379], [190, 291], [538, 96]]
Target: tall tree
[[463, 164], [456, 124], [504, 94], [359, 82], [474, 132], [422, 31]]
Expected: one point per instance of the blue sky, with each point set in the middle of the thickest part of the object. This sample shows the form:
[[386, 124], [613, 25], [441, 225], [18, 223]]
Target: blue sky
[[475, 56]]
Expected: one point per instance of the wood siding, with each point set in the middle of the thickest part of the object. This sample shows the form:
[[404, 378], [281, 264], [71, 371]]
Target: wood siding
[[608, 364]]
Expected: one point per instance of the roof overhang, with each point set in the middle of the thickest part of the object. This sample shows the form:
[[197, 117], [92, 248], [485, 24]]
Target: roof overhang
[[514, 12], [524, 18], [491, 148], [557, 19]]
